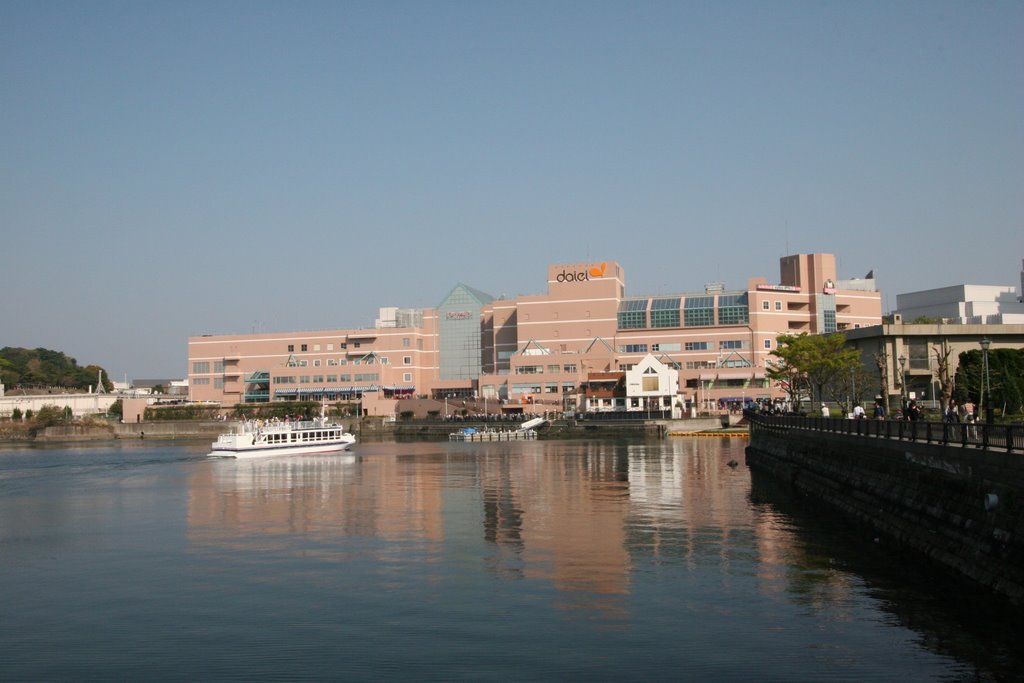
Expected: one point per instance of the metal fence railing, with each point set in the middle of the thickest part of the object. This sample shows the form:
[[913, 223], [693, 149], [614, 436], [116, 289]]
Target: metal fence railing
[[979, 435]]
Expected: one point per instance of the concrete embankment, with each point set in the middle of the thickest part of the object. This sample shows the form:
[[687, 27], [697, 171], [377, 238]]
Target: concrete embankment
[[556, 429], [371, 429], [183, 429], [962, 508]]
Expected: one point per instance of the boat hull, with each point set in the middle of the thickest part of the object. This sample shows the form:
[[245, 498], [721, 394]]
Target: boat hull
[[265, 451]]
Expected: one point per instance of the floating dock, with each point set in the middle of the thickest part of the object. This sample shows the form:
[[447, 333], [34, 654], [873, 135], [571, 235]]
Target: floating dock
[[473, 435]]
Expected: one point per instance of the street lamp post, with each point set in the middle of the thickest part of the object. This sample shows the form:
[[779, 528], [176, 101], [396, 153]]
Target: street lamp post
[[985, 343], [903, 384]]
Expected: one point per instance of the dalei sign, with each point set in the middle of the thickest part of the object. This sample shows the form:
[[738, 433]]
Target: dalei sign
[[582, 275]]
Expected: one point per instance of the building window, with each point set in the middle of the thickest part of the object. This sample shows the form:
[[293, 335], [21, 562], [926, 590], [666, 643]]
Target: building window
[[633, 348], [553, 369], [218, 366], [696, 346], [699, 311], [569, 369], [829, 319], [405, 342], [199, 368], [665, 312], [828, 313], [633, 314], [918, 354], [733, 309], [201, 380], [766, 305], [732, 344], [665, 347], [342, 345], [303, 379], [316, 347], [330, 347], [303, 348], [407, 377], [291, 348], [767, 343], [529, 370], [778, 305], [332, 378], [406, 360], [316, 363]]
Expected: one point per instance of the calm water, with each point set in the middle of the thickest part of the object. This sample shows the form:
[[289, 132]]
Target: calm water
[[437, 561]]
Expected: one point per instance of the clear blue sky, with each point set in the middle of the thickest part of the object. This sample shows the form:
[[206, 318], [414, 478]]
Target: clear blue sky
[[179, 168]]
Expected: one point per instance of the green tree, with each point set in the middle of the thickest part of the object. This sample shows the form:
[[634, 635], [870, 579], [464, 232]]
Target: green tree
[[1006, 373], [44, 367], [823, 361], [47, 416]]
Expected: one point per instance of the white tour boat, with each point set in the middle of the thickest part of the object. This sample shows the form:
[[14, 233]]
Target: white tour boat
[[255, 438]]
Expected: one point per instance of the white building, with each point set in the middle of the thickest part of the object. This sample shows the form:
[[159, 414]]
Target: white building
[[652, 385], [965, 304]]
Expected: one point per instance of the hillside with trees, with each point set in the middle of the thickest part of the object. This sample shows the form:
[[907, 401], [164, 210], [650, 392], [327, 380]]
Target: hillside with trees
[[43, 368]]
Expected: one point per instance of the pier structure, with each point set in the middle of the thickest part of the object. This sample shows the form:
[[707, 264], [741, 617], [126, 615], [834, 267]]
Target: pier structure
[[949, 494]]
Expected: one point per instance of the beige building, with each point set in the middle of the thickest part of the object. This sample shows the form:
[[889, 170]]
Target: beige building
[[540, 349], [921, 346]]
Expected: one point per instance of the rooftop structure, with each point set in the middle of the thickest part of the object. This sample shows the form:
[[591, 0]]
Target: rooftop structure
[[965, 304]]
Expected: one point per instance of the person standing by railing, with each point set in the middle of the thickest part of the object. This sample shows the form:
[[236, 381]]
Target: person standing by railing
[[970, 415]]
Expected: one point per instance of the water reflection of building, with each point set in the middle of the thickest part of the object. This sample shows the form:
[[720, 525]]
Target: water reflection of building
[[339, 495], [584, 516]]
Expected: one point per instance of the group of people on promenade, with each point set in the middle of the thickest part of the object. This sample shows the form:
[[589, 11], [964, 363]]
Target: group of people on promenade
[[911, 412]]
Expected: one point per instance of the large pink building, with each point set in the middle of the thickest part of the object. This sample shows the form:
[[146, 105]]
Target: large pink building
[[542, 348]]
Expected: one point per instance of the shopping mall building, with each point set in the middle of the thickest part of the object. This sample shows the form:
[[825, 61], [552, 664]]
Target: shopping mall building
[[544, 349]]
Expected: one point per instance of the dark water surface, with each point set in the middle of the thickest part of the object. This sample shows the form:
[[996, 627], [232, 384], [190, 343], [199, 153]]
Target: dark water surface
[[436, 561]]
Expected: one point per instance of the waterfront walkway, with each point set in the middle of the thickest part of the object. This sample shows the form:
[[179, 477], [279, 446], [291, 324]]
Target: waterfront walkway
[[1009, 438]]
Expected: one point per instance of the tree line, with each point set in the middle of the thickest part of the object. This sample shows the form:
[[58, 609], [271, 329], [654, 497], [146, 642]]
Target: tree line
[[30, 368], [822, 367]]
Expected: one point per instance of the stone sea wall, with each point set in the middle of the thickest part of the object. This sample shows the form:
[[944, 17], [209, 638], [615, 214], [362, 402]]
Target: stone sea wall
[[963, 508]]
